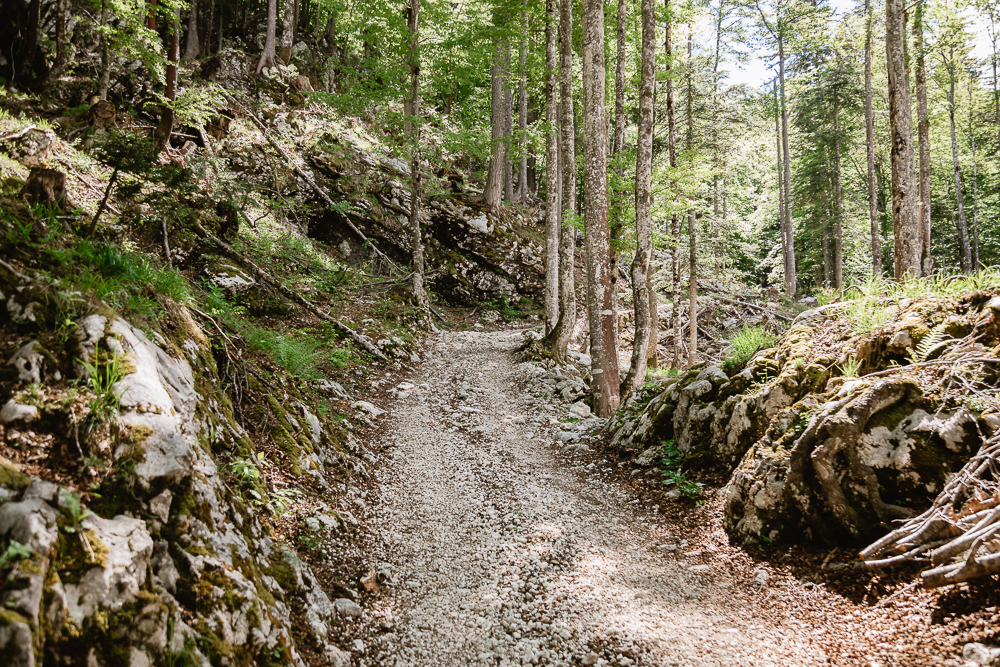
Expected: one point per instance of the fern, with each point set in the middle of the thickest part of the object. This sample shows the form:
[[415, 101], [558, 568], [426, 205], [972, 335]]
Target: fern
[[928, 344]]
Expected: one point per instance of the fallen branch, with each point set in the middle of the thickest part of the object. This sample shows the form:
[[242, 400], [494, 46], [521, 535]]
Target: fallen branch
[[307, 177], [18, 134], [292, 295], [752, 305]]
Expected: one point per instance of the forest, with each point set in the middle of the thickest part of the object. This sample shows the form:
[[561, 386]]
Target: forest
[[423, 332]]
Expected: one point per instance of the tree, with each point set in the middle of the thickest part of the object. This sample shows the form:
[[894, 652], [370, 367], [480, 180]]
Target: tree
[[600, 298], [413, 122], [870, 147], [192, 46], [268, 55], [643, 205], [559, 337], [675, 228], [923, 139], [965, 249], [166, 125], [905, 221], [781, 23], [552, 203], [288, 32], [493, 190], [692, 233], [521, 193]]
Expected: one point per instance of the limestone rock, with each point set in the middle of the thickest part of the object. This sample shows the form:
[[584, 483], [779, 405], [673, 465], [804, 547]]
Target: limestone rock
[[13, 411]]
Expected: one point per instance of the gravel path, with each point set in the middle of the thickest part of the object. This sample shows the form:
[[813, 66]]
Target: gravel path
[[503, 552]]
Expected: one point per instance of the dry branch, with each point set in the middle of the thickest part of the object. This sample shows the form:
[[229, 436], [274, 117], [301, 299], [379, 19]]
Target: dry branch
[[292, 295]]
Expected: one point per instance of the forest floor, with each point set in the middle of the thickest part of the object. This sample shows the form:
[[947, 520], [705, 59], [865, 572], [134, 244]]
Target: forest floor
[[501, 546]]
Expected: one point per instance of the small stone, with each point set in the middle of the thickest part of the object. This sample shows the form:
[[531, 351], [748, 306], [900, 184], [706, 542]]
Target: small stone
[[590, 659], [580, 410], [980, 654], [761, 576], [13, 411], [566, 436], [370, 408], [348, 608], [335, 657], [358, 645], [159, 505]]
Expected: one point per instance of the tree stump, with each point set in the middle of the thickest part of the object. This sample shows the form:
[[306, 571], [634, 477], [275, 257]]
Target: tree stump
[[46, 186], [32, 147]]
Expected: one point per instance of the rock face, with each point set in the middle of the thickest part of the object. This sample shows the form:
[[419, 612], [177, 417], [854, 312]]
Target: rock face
[[477, 255], [814, 455], [167, 564]]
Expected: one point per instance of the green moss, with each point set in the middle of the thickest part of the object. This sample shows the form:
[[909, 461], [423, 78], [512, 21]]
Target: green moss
[[72, 559], [12, 478]]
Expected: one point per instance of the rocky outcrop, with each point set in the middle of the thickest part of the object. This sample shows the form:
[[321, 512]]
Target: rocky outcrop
[[152, 557], [815, 455], [472, 254]]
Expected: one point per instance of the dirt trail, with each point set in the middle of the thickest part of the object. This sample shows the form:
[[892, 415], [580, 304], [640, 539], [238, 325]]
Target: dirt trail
[[505, 552]]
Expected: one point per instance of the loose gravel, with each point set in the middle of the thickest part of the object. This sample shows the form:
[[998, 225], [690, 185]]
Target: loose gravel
[[501, 551]]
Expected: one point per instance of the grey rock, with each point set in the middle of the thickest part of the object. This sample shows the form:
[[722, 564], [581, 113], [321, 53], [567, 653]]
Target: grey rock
[[580, 410], [229, 277], [369, 408], [649, 456], [13, 411], [16, 644], [566, 436], [980, 654], [335, 657], [29, 362], [159, 505], [347, 608]]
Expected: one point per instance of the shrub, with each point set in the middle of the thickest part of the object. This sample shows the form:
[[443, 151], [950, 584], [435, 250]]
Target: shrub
[[748, 341]]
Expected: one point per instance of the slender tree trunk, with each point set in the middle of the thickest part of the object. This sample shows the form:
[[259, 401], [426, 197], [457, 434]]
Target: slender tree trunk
[[643, 204], [924, 142], [287, 32], [600, 299], [838, 221], [268, 55], [905, 195], [562, 333], [192, 46], [105, 83], [963, 228], [616, 217], [975, 189], [692, 235], [493, 190], [522, 116], [790, 279], [166, 125], [552, 203], [827, 260], [508, 126], [151, 16], [209, 28], [60, 63], [870, 148], [413, 123], [675, 227]]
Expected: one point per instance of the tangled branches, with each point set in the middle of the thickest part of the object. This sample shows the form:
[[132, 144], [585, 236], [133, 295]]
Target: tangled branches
[[964, 519]]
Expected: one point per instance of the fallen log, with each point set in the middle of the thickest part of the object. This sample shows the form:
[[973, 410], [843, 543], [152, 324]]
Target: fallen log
[[752, 305], [292, 295]]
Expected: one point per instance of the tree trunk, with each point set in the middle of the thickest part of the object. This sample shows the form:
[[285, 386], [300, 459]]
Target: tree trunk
[[838, 220], [675, 227], [870, 148], [789, 235], [209, 27], [287, 32], [781, 177], [166, 126], [419, 294], [905, 217], [692, 239], [508, 126], [192, 46], [560, 336], [102, 88], [827, 263], [643, 204], [923, 140], [493, 190], [268, 55], [616, 217], [521, 193], [600, 304], [552, 203], [975, 189], [963, 229]]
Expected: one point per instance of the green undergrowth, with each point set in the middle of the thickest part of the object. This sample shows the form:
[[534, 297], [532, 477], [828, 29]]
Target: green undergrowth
[[747, 342]]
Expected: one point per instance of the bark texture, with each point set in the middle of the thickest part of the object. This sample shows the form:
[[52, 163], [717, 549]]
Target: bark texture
[[675, 226], [493, 190], [192, 45], [643, 204], [905, 216], [870, 148], [552, 199], [600, 298], [287, 32], [924, 141], [268, 55], [962, 227], [419, 293]]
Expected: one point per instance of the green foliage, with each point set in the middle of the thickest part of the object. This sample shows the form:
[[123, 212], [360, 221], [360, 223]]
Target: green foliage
[[673, 473], [748, 341], [298, 356], [826, 296], [74, 511], [15, 551], [105, 406], [929, 344], [851, 367]]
